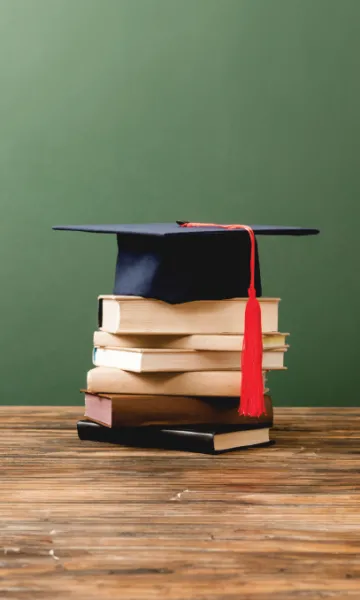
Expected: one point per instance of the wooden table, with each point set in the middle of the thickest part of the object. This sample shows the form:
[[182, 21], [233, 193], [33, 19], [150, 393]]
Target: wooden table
[[80, 520]]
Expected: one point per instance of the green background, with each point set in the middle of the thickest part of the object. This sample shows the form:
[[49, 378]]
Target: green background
[[157, 110]]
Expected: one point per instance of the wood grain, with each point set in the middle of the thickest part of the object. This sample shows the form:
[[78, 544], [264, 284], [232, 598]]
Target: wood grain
[[80, 520]]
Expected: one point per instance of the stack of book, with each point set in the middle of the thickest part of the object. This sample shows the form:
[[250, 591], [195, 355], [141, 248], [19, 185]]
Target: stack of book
[[169, 375]]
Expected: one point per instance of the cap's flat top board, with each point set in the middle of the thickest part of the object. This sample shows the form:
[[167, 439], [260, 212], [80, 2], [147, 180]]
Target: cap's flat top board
[[171, 229]]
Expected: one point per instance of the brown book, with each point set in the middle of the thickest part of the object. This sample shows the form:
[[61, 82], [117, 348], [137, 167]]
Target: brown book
[[120, 410], [193, 383], [131, 314]]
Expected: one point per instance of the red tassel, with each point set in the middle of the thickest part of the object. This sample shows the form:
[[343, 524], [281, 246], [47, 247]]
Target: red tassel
[[252, 387]]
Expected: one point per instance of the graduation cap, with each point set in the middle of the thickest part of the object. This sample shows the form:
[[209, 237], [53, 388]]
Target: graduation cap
[[183, 262], [174, 263]]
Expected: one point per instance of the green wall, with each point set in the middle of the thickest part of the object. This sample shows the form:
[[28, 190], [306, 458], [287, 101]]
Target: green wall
[[146, 110]]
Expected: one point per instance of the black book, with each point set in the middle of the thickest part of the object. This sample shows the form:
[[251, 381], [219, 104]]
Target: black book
[[206, 440]]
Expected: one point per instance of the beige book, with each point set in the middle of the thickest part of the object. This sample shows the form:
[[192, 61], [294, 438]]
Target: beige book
[[157, 360], [102, 339], [194, 383], [131, 314]]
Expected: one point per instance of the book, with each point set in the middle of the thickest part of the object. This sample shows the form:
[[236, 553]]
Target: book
[[203, 440], [145, 360], [132, 314], [193, 383], [224, 343], [121, 410]]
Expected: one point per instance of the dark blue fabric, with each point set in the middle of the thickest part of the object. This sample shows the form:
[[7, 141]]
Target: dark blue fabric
[[169, 269]]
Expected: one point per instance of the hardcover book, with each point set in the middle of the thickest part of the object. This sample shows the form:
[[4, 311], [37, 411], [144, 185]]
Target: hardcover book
[[121, 410], [220, 343], [192, 383], [130, 314], [204, 440], [147, 360]]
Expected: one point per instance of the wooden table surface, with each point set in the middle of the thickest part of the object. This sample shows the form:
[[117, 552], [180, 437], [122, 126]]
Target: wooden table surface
[[80, 520]]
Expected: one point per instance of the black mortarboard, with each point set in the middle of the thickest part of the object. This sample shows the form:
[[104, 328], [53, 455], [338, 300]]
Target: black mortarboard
[[169, 262]]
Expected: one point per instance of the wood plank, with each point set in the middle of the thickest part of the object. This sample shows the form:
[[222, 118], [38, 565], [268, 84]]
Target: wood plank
[[84, 520]]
